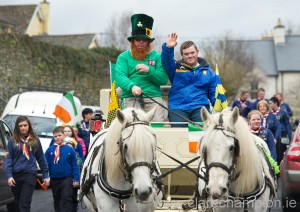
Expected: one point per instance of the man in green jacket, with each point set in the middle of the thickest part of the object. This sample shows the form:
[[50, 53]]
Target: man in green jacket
[[139, 70]]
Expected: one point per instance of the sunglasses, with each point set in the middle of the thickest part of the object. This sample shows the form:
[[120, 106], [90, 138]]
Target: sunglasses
[[141, 39]]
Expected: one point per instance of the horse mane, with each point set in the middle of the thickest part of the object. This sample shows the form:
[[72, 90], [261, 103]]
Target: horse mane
[[139, 149], [112, 155], [249, 161]]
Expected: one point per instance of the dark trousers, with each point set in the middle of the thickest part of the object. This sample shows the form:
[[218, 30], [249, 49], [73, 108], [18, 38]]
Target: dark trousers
[[62, 190], [23, 190], [280, 149], [75, 201]]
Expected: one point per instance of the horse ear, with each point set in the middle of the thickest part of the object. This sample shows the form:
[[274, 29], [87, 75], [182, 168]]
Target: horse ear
[[120, 116], [204, 114], [151, 113], [235, 114]]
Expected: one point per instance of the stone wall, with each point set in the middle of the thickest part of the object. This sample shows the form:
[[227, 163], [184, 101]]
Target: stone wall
[[28, 63]]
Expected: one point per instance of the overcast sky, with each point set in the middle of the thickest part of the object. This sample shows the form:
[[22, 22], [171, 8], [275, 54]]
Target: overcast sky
[[189, 18]]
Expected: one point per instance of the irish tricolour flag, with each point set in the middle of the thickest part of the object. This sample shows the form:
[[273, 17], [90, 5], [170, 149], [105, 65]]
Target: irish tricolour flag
[[195, 134], [66, 108]]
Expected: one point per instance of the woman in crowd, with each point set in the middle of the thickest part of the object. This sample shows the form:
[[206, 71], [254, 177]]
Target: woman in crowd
[[20, 166], [269, 120], [254, 121]]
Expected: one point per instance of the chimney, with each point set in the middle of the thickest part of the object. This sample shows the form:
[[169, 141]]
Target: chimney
[[279, 33], [45, 9]]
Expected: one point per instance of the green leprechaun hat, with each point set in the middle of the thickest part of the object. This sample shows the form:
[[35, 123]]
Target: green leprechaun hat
[[141, 26]]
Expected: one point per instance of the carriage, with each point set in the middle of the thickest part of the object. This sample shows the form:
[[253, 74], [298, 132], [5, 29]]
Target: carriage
[[179, 163]]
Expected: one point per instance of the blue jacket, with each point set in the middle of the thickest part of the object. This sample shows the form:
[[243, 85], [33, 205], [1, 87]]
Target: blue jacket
[[67, 165], [17, 162], [285, 107], [84, 133], [273, 125], [286, 127], [244, 111], [191, 89], [267, 136]]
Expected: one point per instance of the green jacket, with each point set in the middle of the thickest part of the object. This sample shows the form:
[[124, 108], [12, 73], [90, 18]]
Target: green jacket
[[127, 76]]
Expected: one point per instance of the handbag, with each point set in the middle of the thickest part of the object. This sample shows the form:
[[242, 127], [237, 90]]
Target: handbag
[[285, 140]]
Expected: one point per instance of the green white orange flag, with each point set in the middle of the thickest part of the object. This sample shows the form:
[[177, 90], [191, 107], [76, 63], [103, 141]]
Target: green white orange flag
[[66, 109], [195, 134]]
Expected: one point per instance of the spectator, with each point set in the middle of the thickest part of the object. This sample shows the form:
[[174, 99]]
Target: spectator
[[193, 81], [80, 140], [64, 171], [269, 120], [254, 120], [261, 93], [83, 130], [69, 132], [285, 125], [20, 166], [139, 70], [283, 105], [243, 104]]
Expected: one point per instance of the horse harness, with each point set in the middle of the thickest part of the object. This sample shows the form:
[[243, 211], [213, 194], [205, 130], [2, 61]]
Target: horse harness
[[100, 176], [244, 198]]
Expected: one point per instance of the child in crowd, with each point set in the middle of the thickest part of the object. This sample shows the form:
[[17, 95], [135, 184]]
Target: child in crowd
[[63, 171], [80, 140]]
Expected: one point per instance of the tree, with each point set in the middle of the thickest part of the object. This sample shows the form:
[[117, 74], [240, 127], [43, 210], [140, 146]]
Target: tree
[[236, 64], [117, 31]]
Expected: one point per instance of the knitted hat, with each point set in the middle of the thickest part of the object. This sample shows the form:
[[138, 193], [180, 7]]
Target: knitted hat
[[141, 26]]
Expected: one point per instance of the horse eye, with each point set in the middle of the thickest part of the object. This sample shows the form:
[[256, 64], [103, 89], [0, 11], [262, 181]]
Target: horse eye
[[125, 147], [231, 148]]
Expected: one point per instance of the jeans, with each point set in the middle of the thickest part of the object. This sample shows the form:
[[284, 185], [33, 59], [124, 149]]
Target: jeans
[[193, 115]]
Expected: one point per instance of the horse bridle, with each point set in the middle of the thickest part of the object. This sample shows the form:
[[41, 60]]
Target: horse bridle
[[129, 168], [230, 169]]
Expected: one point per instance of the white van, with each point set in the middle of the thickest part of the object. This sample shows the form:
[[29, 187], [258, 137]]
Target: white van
[[38, 106]]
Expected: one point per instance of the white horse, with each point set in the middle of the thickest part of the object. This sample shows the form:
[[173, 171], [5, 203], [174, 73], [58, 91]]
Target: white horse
[[119, 171], [237, 176]]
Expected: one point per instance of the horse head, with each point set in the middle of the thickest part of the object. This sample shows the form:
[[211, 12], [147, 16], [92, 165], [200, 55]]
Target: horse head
[[136, 145], [220, 150]]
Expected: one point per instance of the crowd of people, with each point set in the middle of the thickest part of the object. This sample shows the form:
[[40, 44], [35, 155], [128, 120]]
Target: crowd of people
[[269, 119], [140, 72], [60, 165]]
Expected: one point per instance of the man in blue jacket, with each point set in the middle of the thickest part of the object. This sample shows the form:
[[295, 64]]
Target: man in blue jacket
[[193, 81]]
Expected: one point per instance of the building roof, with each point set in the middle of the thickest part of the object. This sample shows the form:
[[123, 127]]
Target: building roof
[[272, 58], [18, 15], [287, 55], [74, 41], [263, 51]]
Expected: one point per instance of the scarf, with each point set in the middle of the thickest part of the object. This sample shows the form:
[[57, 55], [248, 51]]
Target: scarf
[[265, 120], [243, 103], [57, 153], [255, 132], [275, 112], [25, 148]]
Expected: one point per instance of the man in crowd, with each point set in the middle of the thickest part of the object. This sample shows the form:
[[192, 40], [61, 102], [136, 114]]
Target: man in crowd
[[243, 104]]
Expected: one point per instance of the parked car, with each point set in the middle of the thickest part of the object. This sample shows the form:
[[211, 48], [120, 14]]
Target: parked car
[[290, 173], [6, 197]]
